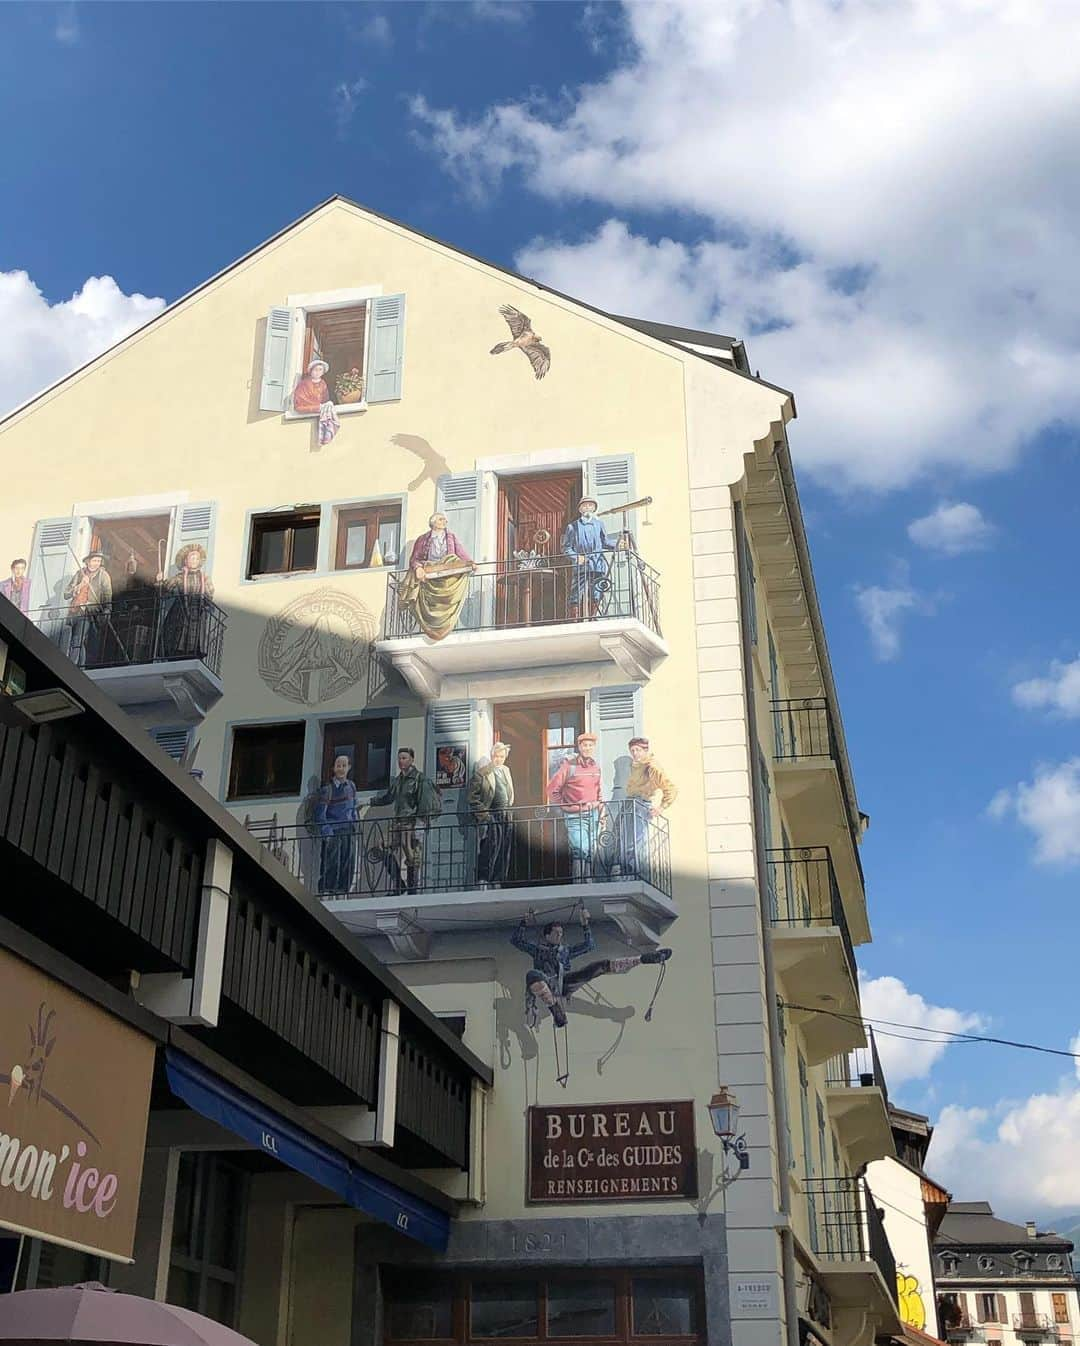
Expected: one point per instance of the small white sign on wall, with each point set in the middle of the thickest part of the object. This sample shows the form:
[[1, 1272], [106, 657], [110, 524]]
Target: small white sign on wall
[[754, 1296]]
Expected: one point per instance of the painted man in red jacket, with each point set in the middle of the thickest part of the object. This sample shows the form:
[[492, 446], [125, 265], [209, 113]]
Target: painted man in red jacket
[[575, 788]]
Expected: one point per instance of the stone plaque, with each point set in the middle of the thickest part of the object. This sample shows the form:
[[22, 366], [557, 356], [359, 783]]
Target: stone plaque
[[612, 1152]]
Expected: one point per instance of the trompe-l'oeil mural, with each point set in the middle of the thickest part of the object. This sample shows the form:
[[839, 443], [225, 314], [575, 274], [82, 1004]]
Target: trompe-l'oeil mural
[[317, 647], [524, 339], [591, 573]]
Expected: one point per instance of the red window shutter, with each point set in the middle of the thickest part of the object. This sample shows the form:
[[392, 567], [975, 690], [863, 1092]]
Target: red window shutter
[[1000, 1308]]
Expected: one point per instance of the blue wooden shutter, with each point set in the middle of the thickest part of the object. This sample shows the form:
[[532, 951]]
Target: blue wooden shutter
[[386, 348], [615, 715], [51, 566], [750, 585], [767, 836], [275, 367], [172, 739], [194, 523], [610, 481], [458, 497], [450, 862]]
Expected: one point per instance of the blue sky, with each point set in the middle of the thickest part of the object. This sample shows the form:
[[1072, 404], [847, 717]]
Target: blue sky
[[874, 198]]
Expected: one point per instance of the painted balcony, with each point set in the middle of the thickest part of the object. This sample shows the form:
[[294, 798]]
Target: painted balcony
[[812, 950], [854, 1259], [620, 871], [145, 647], [810, 783], [858, 1103], [530, 615]]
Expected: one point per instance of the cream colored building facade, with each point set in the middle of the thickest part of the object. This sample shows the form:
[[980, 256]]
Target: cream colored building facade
[[707, 640]]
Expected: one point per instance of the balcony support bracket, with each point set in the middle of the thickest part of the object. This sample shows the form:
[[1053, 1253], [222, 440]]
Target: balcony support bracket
[[183, 698], [630, 660], [630, 922], [419, 676], [408, 939]]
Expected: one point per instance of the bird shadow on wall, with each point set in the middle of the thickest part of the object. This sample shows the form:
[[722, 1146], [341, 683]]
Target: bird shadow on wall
[[434, 465]]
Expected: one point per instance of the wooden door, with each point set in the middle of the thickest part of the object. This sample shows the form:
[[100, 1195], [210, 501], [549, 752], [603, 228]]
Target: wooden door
[[533, 513], [540, 735]]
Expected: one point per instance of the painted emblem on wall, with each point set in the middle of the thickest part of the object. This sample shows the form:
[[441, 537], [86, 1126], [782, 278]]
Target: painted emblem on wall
[[524, 339], [316, 647]]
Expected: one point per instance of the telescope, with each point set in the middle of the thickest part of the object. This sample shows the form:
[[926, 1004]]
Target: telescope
[[643, 503]]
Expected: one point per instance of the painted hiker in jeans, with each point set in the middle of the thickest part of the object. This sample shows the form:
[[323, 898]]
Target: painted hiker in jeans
[[647, 780], [551, 979], [335, 817], [575, 788]]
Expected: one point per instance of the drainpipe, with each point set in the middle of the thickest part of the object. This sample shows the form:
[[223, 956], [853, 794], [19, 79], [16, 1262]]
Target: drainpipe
[[776, 1051]]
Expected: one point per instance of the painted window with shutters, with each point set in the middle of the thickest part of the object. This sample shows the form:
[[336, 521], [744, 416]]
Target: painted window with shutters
[[1061, 1306], [345, 348]]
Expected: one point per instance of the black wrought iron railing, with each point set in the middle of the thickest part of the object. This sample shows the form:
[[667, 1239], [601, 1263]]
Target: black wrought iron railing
[[803, 729], [847, 1226], [803, 892], [860, 1068], [522, 847], [538, 591], [149, 626], [956, 1323]]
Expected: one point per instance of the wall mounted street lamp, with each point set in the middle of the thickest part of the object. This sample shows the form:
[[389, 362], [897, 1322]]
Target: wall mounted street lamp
[[724, 1115], [52, 703]]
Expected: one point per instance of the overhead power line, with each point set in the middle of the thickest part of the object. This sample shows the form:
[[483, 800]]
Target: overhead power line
[[945, 1036]]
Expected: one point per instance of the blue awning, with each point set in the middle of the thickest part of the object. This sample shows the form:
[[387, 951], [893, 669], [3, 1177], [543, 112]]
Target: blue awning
[[268, 1131]]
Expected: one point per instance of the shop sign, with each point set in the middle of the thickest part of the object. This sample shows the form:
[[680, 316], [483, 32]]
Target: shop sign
[[74, 1097], [612, 1152]]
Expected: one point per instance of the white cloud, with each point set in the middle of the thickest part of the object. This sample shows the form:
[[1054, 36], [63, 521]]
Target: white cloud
[[1017, 1153], [1059, 691], [500, 11], [66, 29], [40, 342], [888, 208], [883, 608], [902, 1060], [1049, 807], [952, 529], [346, 95]]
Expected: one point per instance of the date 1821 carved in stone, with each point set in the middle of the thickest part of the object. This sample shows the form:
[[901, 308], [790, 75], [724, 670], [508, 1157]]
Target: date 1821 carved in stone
[[316, 647]]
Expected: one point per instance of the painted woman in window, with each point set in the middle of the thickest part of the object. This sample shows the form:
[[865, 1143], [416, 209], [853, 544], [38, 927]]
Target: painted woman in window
[[336, 817], [437, 582], [187, 596], [312, 391], [311, 396]]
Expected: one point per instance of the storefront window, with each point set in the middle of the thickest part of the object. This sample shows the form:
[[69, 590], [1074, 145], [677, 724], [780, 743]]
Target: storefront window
[[584, 1308], [505, 1309], [211, 1209], [664, 1306], [611, 1306], [418, 1308]]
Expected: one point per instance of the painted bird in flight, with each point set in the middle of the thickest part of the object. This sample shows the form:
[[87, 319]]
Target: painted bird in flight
[[524, 339]]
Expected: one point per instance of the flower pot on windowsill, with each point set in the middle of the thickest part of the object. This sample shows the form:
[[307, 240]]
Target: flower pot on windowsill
[[355, 396]]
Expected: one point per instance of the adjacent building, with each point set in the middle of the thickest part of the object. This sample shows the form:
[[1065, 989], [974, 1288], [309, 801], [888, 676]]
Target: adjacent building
[[1003, 1284], [490, 618], [913, 1206]]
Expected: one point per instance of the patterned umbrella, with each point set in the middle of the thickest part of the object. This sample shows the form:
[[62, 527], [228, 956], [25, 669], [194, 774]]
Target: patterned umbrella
[[91, 1313]]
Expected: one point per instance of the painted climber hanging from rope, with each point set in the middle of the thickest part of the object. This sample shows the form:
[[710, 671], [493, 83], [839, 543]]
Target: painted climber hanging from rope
[[552, 979]]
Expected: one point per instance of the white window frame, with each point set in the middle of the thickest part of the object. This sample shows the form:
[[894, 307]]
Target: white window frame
[[324, 302]]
